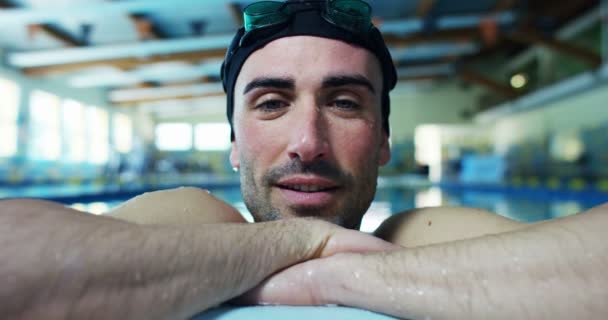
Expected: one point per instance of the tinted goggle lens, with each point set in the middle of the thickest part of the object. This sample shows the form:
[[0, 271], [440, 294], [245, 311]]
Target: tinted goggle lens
[[263, 13], [353, 15]]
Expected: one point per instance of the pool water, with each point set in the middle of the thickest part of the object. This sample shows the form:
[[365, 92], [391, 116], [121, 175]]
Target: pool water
[[520, 206]]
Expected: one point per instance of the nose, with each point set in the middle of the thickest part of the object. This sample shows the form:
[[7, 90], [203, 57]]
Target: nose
[[308, 140]]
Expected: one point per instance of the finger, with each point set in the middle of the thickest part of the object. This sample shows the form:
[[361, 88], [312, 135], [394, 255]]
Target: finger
[[356, 242]]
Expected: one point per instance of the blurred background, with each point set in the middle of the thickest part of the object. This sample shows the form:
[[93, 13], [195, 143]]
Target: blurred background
[[501, 104]]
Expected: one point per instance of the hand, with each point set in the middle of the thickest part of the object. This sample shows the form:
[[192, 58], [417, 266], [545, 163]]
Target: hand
[[304, 284], [312, 282], [341, 240]]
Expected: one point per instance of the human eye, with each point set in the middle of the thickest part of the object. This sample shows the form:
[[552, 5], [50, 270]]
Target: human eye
[[345, 104], [271, 105]]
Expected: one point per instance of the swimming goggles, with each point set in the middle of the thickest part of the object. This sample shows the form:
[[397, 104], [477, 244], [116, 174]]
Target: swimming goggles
[[352, 15]]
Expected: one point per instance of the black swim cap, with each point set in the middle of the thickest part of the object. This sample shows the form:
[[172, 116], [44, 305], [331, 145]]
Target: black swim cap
[[305, 21]]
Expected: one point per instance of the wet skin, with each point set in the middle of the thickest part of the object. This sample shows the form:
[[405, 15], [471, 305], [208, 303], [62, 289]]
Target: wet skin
[[309, 137]]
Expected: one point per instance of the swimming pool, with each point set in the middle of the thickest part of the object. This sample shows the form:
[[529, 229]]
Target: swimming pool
[[522, 205]]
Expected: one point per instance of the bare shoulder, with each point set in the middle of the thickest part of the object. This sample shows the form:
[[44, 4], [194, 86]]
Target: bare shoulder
[[426, 226], [185, 205]]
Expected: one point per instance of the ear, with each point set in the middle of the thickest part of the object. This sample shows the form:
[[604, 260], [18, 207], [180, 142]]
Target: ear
[[385, 150], [234, 155]]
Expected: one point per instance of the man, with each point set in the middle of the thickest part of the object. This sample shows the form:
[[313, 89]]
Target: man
[[307, 86]]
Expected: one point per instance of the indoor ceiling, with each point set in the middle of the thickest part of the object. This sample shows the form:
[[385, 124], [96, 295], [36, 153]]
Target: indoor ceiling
[[169, 52]]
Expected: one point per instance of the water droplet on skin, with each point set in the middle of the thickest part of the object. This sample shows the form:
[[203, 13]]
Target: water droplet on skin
[[357, 275], [516, 259], [195, 289], [444, 272], [420, 292], [309, 273]]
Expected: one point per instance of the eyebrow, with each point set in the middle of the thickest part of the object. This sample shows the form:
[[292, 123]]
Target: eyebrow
[[270, 82], [346, 80]]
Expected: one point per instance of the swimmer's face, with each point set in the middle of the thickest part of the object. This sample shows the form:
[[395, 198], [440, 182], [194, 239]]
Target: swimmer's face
[[308, 130]]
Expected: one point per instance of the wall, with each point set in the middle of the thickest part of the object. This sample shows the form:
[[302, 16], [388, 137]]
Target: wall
[[574, 113], [443, 103], [19, 168]]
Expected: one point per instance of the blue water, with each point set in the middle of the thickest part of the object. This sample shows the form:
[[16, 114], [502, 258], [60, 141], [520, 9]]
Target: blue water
[[526, 205], [521, 206]]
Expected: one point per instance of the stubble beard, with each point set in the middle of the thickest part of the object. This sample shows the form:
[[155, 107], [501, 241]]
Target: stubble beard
[[349, 211]]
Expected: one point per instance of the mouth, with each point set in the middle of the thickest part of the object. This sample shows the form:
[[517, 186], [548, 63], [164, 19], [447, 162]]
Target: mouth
[[307, 188], [307, 191]]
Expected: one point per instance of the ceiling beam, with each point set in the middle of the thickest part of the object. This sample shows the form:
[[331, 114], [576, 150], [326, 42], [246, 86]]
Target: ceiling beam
[[502, 5], [145, 27], [158, 84], [237, 13], [423, 78], [4, 4], [189, 82], [457, 35], [178, 97], [424, 8], [533, 38], [60, 35], [474, 77], [125, 63], [164, 92], [51, 30], [134, 50], [562, 10], [58, 13]]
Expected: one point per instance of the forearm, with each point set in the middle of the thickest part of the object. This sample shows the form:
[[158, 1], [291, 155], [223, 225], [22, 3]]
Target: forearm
[[62, 264], [554, 270]]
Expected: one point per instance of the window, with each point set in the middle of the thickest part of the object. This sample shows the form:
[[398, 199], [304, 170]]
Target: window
[[44, 127], [9, 111], [212, 136], [99, 134], [174, 136], [74, 131], [122, 133]]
